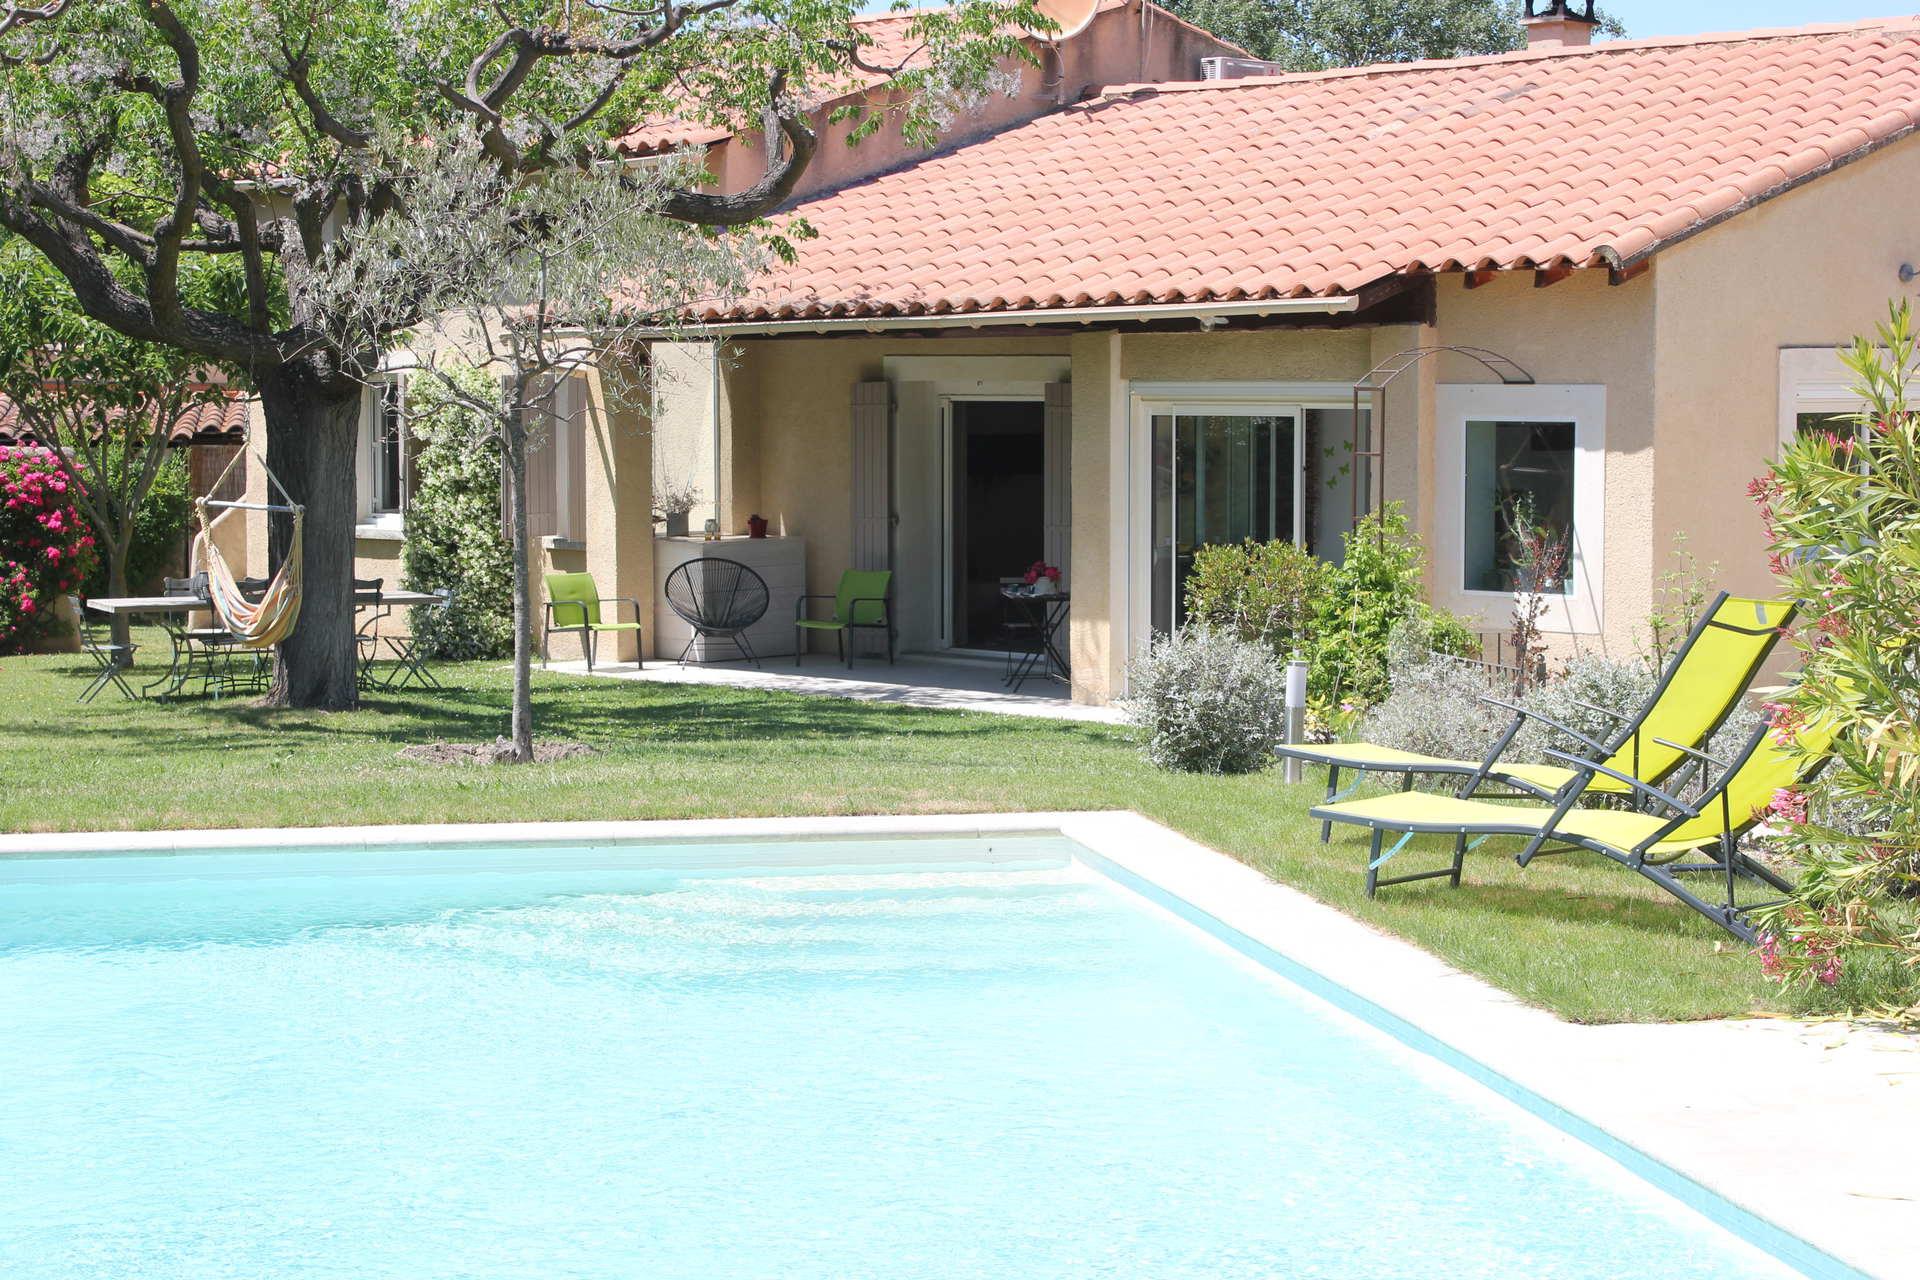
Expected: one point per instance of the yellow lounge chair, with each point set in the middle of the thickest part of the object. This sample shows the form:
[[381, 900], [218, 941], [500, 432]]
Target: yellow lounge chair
[[1654, 844], [1702, 684]]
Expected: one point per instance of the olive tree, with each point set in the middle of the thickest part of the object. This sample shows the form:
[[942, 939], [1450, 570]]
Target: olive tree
[[531, 279], [138, 137]]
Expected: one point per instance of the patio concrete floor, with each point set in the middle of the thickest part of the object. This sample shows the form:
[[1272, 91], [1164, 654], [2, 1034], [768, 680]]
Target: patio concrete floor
[[916, 680]]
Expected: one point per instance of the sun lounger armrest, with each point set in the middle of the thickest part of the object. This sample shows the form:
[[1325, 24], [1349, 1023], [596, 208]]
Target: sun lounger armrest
[[1569, 730], [1696, 753], [1663, 797], [1608, 712]]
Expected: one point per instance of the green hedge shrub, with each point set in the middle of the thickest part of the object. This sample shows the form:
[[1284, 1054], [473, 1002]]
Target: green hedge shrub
[[454, 537], [1341, 617], [160, 529]]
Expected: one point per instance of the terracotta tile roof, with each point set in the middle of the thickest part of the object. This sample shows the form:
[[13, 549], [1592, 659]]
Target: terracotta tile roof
[[213, 422], [1320, 184]]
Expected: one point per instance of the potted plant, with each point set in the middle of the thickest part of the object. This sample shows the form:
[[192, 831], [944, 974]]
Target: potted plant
[[1042, 579], [672, 500]]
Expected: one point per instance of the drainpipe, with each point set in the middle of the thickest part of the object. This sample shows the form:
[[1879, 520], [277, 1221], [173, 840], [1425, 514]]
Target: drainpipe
[[713, 407]]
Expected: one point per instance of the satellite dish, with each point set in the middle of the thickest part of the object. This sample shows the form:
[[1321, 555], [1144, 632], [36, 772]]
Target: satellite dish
[[1071, 16]]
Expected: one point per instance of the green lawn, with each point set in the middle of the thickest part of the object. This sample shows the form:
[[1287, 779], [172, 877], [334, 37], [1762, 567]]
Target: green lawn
[[1575, 934]]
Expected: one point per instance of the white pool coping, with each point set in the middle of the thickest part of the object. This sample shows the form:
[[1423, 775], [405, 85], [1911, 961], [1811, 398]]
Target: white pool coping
[[1816, 1133]]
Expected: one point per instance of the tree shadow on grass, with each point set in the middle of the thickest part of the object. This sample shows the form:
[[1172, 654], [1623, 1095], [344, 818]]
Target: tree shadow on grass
[[682, 716]]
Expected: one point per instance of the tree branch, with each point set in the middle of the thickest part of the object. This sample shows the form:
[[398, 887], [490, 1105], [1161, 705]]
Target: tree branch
[[298, 75], [775, 185]]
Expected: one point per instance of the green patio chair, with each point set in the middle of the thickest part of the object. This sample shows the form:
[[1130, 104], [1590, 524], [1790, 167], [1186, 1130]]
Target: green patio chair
[[1675, 843], [573, 606], [860, 603], [1702, 684]]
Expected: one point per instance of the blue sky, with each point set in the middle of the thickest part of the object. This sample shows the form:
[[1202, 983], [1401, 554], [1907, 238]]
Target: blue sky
[[1677, 17]]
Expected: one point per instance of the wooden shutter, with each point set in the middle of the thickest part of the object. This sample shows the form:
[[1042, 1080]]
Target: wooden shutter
[[1057, 519], [872, 476], [572, 502], [543, 444]]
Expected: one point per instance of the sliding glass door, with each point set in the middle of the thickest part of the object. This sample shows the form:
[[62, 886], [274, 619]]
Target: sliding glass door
[[1219, 477]]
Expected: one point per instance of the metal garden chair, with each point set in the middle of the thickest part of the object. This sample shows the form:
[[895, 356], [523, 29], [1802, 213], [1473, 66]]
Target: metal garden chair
[[366, 636], [410, 665], [573, 605], [112, 657], [210, 649], [718, 598], [861, 602]]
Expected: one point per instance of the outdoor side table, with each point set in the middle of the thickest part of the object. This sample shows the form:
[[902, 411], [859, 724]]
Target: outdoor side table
[[1049, 615]]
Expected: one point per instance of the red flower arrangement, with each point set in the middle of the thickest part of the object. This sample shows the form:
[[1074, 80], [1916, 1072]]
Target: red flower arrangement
[[46, 546], [1041, 569]]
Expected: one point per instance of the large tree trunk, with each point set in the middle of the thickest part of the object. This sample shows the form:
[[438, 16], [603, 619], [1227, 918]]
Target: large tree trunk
[[516, 461], [312, 433]]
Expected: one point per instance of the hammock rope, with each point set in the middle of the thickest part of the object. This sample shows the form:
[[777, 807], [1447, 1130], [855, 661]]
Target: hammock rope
[[262, 624]]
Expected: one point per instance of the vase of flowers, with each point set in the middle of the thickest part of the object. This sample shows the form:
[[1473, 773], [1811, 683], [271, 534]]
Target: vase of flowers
[[1042, 579]]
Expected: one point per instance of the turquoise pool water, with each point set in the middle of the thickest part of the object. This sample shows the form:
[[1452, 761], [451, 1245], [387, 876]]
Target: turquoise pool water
[[984, 1060]]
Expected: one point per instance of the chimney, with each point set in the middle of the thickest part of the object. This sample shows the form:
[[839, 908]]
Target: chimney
[[1553, 24]]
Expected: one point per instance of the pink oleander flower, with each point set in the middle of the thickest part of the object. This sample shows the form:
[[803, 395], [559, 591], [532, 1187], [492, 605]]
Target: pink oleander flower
[[1789, 805], [1784, 719]]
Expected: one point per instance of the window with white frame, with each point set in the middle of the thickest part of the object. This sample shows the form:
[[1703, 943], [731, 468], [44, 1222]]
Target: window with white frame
[[1816, 392], [1220, 462], [388, 448], [1519, 470], [383, 470]]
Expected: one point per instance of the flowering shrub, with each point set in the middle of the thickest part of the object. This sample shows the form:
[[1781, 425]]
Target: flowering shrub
[[453, 526], [46, 547], [1842, 510], [1207, 701]]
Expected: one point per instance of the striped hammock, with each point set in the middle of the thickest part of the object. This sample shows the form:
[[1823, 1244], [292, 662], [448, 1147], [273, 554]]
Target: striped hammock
[[257, 624]]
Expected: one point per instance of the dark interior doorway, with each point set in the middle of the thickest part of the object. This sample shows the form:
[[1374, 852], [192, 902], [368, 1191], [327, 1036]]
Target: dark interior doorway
[[998, 467]]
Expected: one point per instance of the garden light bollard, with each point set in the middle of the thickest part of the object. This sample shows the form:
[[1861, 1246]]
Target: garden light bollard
[[1296, 711]]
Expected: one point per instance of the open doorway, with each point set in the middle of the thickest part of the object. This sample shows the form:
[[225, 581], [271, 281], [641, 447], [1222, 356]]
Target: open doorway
[[997, 469]]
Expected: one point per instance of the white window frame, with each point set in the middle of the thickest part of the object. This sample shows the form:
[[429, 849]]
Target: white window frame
[[1579, 612], [373, 523], [1813, 380], [1148, 400]]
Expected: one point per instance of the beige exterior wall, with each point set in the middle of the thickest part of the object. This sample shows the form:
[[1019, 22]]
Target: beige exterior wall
[[244, 544], [1580, 331], [1811, 268], [1120, 46], [1097, 574], [786, 440]]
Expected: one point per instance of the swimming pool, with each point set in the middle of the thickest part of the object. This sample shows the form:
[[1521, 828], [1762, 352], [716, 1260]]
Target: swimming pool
[[916, 1058]]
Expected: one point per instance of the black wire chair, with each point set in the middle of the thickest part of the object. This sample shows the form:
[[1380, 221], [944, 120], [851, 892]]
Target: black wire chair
[[718, 598]]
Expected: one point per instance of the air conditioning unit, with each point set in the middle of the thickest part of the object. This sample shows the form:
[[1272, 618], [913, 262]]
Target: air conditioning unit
[[1238, 68]]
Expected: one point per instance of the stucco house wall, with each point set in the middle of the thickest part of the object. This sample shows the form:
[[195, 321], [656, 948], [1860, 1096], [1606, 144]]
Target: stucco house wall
[[1811, 268], [1580, 331], [1122, 45]]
